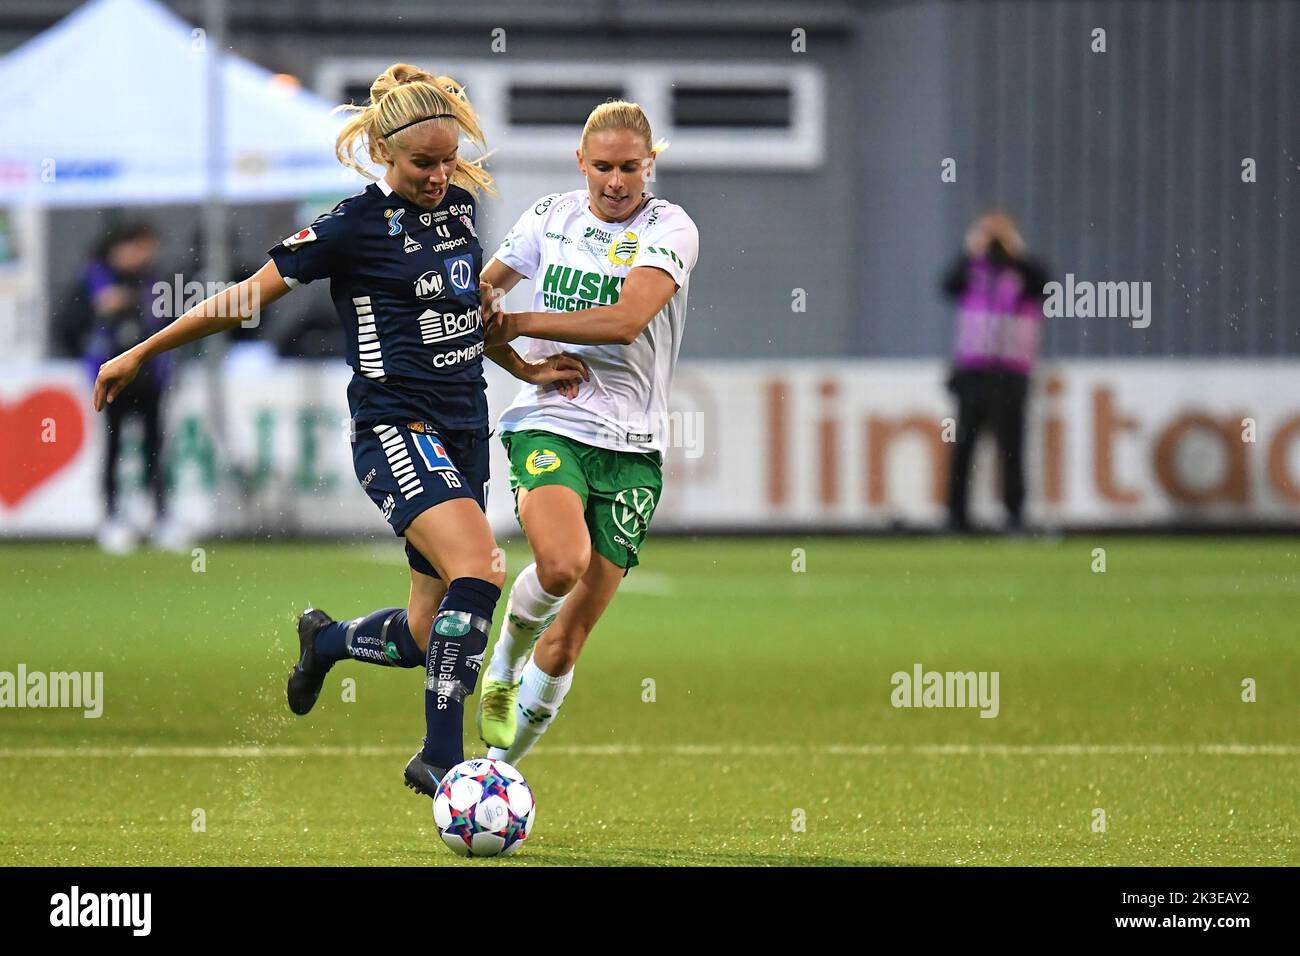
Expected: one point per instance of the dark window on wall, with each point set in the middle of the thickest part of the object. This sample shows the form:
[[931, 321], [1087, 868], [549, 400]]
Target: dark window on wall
[[557, 105], [705, 107]]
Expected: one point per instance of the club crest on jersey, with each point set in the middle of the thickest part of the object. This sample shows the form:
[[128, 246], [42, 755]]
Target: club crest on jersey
[[624, 251], [394, 217], [541, 461], [299, 238]]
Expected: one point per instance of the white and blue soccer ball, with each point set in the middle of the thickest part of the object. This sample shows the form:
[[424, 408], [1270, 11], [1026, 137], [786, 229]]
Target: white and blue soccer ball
[[484, 807]]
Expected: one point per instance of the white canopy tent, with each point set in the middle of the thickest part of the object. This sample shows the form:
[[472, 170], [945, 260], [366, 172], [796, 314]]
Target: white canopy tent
[[114, 106], [109, 107]]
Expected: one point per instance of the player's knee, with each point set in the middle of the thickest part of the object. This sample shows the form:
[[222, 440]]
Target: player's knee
[[559, 574], [495, 574], [489, 569]]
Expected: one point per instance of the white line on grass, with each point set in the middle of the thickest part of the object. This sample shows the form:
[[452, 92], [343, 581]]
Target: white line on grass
[[255, 751]]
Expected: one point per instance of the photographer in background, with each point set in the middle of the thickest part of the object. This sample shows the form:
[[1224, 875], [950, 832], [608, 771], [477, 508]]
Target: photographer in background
[[999, 291], [113, 308]]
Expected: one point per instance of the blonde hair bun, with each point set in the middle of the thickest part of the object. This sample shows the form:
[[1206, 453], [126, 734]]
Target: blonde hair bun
[[402, 96]]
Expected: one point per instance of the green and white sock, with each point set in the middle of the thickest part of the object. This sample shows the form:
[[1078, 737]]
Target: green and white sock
[[530, 611], [540, 697]]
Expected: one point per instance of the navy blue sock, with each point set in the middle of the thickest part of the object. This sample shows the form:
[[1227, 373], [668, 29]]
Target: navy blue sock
[[457, 643], [378, 638]]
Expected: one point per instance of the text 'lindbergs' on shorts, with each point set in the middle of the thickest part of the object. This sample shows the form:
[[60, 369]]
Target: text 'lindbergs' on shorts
[[78, 690]]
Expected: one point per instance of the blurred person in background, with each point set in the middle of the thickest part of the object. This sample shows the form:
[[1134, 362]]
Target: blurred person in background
[[112, 309], [999, 291]]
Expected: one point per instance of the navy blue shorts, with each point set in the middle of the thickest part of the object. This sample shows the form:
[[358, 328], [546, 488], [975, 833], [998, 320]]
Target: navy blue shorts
[[407, 469]]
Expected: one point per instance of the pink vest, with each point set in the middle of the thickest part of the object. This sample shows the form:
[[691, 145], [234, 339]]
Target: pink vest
[[999, 321]]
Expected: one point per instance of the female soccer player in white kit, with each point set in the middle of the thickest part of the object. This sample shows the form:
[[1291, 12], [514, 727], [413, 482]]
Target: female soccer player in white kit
[[610, 266]]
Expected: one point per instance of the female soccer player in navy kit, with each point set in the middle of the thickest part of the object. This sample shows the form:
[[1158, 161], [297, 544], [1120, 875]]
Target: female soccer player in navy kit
[[403, 261]]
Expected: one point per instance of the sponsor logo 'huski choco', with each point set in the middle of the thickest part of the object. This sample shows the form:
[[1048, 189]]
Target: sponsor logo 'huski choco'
[[566, 289]]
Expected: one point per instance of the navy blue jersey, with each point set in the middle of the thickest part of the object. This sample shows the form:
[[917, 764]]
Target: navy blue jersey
[[405, 285]]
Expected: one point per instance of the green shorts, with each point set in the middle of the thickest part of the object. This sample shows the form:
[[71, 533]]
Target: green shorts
[[619, 489]]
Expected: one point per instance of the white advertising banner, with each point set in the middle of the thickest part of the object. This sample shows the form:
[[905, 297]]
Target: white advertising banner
[[284, 465], [798, 444], [836, 445]]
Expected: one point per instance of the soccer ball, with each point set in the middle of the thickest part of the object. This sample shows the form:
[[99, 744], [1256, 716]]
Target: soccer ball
[[484, 807]]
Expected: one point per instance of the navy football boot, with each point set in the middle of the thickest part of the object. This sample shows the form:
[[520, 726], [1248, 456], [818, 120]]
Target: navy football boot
[[308, 674], [423, 777]]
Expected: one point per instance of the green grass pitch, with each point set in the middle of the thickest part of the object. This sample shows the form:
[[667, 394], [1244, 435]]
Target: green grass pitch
[[1119, 691]]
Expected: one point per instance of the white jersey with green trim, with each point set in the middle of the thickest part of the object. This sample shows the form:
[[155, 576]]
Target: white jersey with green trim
[[576, 262]]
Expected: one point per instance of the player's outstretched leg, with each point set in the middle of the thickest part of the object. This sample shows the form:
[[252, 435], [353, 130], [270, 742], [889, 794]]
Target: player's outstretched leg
[[457, 643], [456, 539], [553, 519], [549, 675], [529, 612], [381, 637], [540, 697]]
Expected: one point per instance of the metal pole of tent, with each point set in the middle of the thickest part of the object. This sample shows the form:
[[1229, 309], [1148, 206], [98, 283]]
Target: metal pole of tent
[[216, 257]]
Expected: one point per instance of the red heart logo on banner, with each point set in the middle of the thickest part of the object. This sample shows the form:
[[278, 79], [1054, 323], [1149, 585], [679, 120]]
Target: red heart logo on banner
[[40, 435]]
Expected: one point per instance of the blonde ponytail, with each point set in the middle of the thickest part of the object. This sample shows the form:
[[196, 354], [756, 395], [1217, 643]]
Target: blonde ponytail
[[402, 96], [620, 114]]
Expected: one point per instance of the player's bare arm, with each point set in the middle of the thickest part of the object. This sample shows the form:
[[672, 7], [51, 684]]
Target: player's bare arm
[[500, 277], [563, 371], [216, 313], [645, 293]]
